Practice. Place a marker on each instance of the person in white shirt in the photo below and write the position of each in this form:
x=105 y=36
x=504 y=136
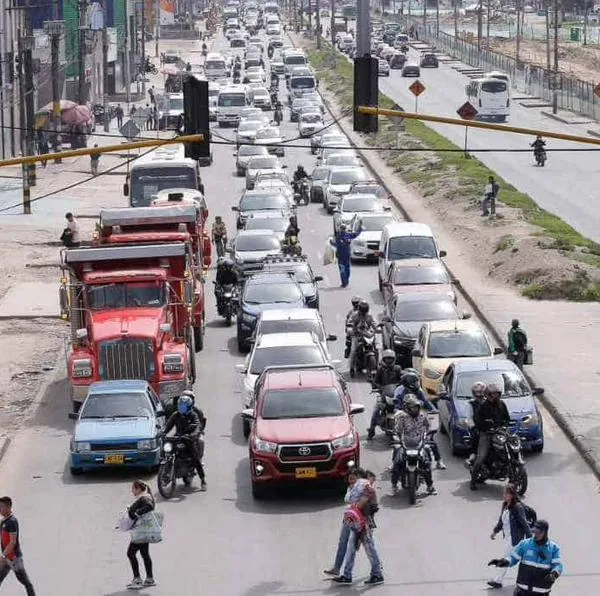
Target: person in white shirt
x=70 y=236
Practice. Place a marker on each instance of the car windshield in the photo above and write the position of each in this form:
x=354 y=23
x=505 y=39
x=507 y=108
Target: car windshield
x=275 y=224
x=303 y=403
x=249 y=125
x=347 y=176
x=285 y=355
x=319 y=174
x=268 y=133
x=416 y=276
x=458 y=344
x=249 y=112
x=126 y=295
x=375 y=224
x=303 y=83
x=311 y=118
x=265 y=293
x=260 y=202
x=250 y=242
x=370 y=189
x=116 y=405
x=246 y=150
x=260 y=92
x=356 y=204
x=411 y=247
x=343 y=160
x=295 y=60
x=425 y=310
x=292 y=326
x=263 y=163
x=512 y=382
x=231 y=100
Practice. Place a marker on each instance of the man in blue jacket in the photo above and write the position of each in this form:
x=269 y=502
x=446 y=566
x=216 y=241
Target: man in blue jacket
x=343 y=240
x=539 y=562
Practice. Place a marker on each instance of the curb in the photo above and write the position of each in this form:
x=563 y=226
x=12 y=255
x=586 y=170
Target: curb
x=573 y=120
x=561 y=418
x=4 y=445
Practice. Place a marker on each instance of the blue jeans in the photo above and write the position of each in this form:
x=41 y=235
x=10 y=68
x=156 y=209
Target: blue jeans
x=370 y=551
x=342 y=547
x=344 y=267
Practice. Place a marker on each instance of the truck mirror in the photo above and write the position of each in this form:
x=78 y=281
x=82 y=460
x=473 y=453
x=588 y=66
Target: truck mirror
x=81 y=334
x=64 y=303
x=126 y=189
x=189 y=293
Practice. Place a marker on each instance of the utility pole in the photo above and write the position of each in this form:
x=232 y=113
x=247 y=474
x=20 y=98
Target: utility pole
x=555 y=82
x=156 y=26
x=548 y=63
x=310 y=15
x=585 y=21
x=318 y=24
x=519 y=28
x=456 y=19
x=437 y=18
x=127 y=60
x=55 y=30
x=143 y=48
x=487 y=22
x=424 y=13
x=105 y=70
x=363 y=29
x=81 y=95
x=479 y=25
x=332 y=23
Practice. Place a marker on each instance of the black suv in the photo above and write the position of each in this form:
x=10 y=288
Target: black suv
x=300 y=268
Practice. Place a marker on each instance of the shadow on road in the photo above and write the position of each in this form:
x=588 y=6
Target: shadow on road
x=237 y=436
x=53 y=410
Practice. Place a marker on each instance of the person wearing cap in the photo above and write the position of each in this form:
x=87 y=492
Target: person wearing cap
x=343 y=239
x=539 y=562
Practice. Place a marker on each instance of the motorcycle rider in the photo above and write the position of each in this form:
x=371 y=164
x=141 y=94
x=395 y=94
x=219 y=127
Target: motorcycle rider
x=362 y=322
x=278 y=114
x=226 y=276
x=517 y=344
x=538 y=146
x=292 y=229
x=491 y=414
x=411 y=425
x=219 y=235
x=478 y=391
x=388 y=373
x=356 y=300
x=299 y=175
x=189 y=421
x=204 y=49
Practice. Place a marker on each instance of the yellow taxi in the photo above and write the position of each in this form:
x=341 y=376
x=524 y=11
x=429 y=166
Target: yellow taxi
x=440 y=343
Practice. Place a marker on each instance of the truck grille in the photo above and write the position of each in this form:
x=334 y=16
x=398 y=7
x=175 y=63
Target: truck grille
x=305 y=453
x=126 y=359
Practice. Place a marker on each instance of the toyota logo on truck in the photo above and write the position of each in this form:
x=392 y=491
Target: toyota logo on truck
x=304 y=451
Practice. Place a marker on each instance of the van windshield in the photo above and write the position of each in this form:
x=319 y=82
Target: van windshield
x=411 y=247
x=231 y=100
x=146 y=182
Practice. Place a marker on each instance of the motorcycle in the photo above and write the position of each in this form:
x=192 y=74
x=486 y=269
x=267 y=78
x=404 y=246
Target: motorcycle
x=236 y=77
x=540 y=156
x=176 y=462
x=278 y=115
x=365 y=357
x=225 y=302
x=301 y=192
x=150 y=67
x=415 y=459
x=504 y=460
x=291 y=246
x=386 y=411
x=98 y=112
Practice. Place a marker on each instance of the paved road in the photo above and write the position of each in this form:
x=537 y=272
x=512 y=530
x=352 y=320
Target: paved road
x=565 y=187
x=222 y=542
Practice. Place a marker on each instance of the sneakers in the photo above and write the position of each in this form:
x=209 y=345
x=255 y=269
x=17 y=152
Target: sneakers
x=203 y=486
x=149 y=581
x=135 y=584
x=494 y=584
x=341 y=579
x=370 y=434
x=440 y=465
x=374 y=580
x=331 y=571
x=431 y=490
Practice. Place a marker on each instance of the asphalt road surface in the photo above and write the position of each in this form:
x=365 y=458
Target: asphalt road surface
x=222 y=542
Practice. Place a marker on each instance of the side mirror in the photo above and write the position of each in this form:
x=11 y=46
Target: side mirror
x=318 y=278
x=416 y=353
x=64 y=302
x=164 y=327
x=332 y=240
x=161 y=414
x=443 y=253
x=241 y=368
x=81 y=334
x=126 y=189
x=283 y=166
x=466 y=315
x=498 y=351
x=356 y=409
x=386 y=319
x=248 y=414
x=235 y=153
x=387 y=208
x=331 y=337
x=380 y=254
x=456 y=282
x=235 y=208
x=538 y=391
x=336 y=210
x=73 y=416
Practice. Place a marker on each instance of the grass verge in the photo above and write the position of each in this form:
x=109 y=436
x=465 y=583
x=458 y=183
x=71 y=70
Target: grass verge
x=471 y=175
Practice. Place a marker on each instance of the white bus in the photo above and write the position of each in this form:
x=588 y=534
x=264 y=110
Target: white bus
x=230 y=103
x=163 y=168
x=215 y=66
x=490 y=97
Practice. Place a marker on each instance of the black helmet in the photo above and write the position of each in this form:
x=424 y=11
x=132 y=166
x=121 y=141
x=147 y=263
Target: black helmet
x=300 y=168
x=356 y=300
x=388 y=357
x=227 y=263
x=363 y=307
x=412 y=405
x=410 y=379
x=515 y=323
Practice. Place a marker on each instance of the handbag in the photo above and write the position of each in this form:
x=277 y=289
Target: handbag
x=125 y=523
x=147 y=528
x=328 y=254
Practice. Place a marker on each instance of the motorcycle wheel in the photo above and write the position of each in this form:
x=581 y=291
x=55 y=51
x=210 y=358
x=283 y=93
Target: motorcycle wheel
x=187 y=480
x=228 y=319
x=411 y=487
x=520 y=480
x=166 y=479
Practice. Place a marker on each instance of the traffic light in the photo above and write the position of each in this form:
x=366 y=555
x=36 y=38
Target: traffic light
x=366 y=92
x=195 y=121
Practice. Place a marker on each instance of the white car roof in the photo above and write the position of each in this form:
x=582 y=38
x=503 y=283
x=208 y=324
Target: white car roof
x=291 y=314
x=274 y=340
x=255 y=233
x=408 y=228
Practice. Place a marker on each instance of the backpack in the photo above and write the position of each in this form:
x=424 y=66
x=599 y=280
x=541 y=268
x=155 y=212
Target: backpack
x=520 y=339
x=530 y=514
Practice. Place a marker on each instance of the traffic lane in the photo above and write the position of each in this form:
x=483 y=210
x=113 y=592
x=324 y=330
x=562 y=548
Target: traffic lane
x=565 y=195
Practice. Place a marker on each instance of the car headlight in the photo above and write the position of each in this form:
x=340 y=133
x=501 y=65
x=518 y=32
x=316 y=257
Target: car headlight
x=146 y=444
x=464 y=422
x=344 y=442
x=82 y=446
x=82 y=367
x=530 y=420
x=359 y=243
x=173 y=363
x=248 y=318
x=264 y=446
x=431 y=373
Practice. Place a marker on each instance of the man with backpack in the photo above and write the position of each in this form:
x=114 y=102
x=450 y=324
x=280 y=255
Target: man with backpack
x=517 y=344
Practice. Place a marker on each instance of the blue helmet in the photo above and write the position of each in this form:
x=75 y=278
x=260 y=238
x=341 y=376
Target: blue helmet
x=185 y=404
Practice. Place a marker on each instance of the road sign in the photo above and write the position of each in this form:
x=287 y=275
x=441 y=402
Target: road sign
x=417 y=88
x=467 y=111
x=597 y=90
x=130 y=130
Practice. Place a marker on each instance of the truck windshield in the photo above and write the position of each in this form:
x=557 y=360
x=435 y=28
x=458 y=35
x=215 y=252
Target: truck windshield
x=126 y=295
x=146 y=182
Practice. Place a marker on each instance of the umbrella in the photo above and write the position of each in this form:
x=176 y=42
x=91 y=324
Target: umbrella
x=65 y=104
x=76 y=115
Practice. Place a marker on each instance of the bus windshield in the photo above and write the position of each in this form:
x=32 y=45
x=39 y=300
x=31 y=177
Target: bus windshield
x=146 y=182
x=493 y=86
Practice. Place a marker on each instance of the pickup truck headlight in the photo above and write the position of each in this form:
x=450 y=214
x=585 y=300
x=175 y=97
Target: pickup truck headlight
x=344 y=442
x=431 y=373
x=173 y=363
x=264 y=446
x=464 y=423
x=82 y=368
x=146 y=444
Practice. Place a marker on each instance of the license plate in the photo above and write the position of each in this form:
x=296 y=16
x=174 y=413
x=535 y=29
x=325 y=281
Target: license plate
x=114 y=459
x=306 y=472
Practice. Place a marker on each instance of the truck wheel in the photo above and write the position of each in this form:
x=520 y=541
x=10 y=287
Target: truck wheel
x=259 y=491
x=199 y=336
x=246 y=428
x=192 y=359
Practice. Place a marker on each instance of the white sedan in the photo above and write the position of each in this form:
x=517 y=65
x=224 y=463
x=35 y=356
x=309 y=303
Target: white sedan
x=365 y=247
x=272 y=137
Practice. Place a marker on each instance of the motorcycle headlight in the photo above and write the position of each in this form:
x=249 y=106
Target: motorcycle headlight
x=82 y=367
x=82 y=446
x=173 y=363
x=264 y=446
x=227 y=295
x=345 y=442
x=465 y=423
x=146 y=444
x=530 y=420
x=168 y=447
x=431 y=373
x=248 y=318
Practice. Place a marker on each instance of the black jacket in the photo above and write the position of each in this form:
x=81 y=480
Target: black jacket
x=387 y=375
x=292 y=230
x=143 y=504
x=227 y=277
x=519 y=528
x=191 y=424
x=490 y=416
